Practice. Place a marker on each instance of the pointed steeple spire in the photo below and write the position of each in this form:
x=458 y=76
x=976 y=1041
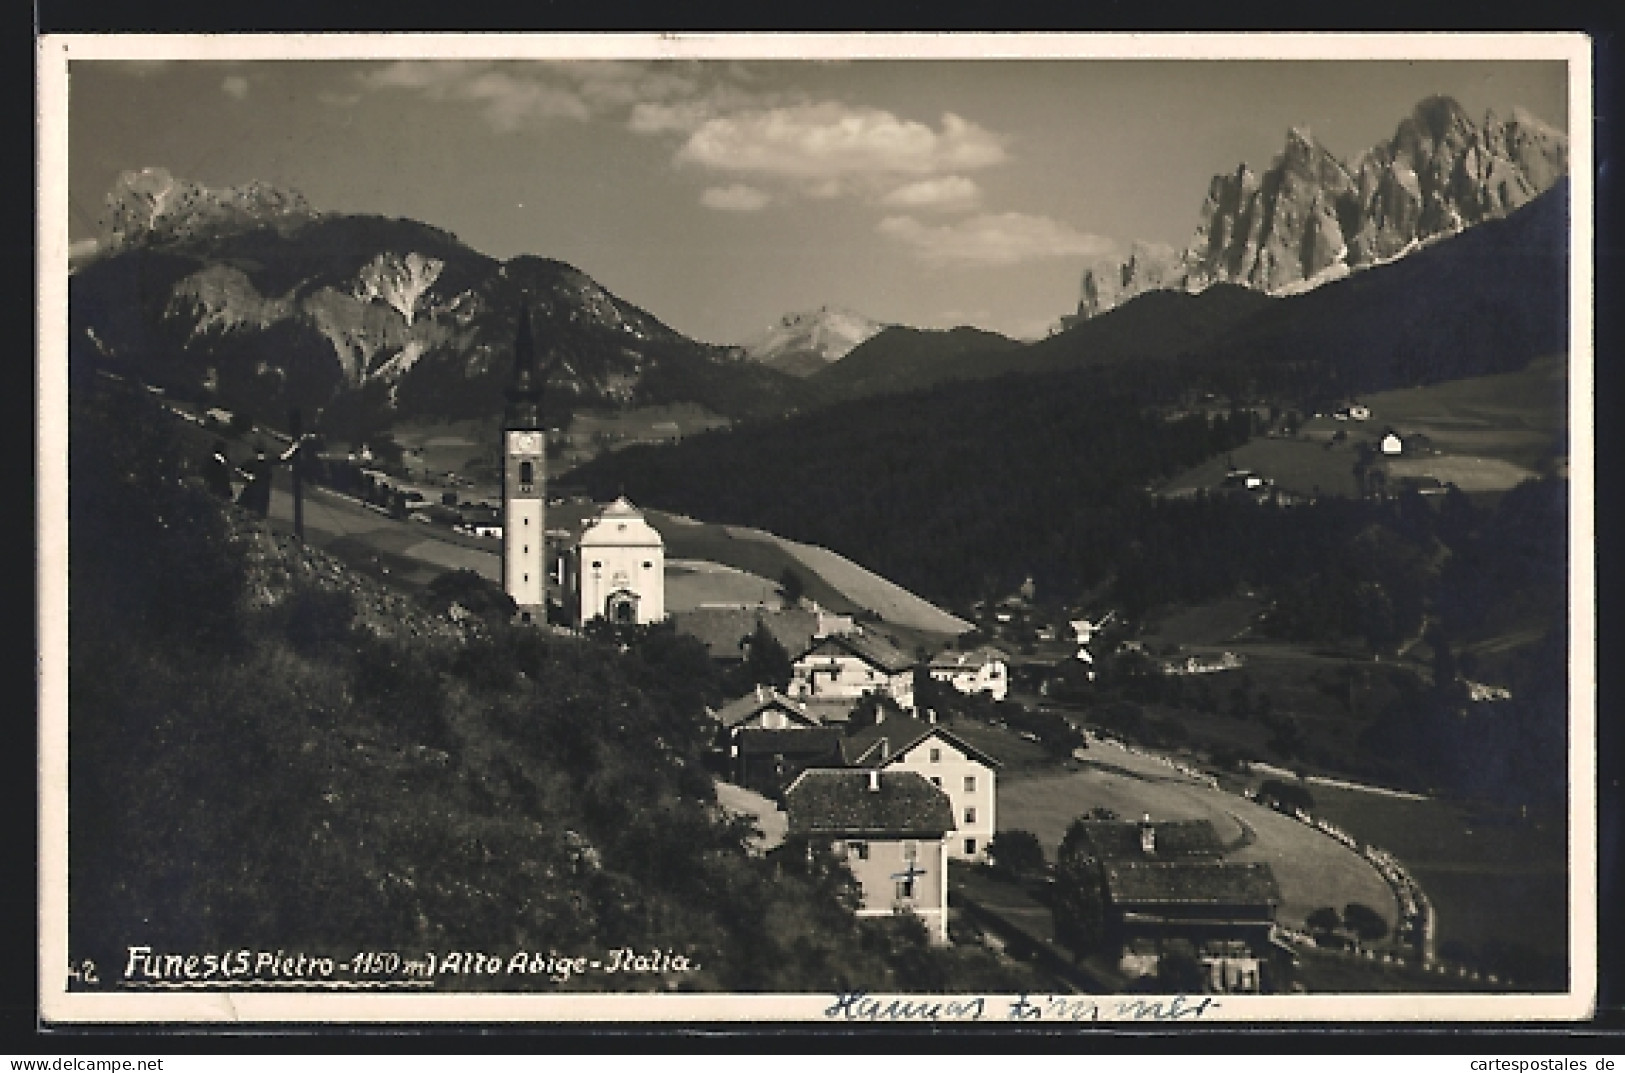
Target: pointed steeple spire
x=524 y=391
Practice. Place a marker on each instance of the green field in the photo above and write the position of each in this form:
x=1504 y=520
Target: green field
x=1300 y=466
x=1513 y=417
x=1490 y=878
x=1487 y=434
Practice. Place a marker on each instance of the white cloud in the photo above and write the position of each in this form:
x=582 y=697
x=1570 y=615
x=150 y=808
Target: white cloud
x=993 y=239
x=235 y=86
x=673 y=117
x=508 y=97
x=950 y=193
x=820 y=141
x=735 y=198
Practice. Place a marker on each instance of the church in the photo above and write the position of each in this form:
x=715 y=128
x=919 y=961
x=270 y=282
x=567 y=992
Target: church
x=616 y=570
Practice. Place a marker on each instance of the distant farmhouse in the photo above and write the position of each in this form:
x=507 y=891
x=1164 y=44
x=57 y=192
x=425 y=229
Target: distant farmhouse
x=892 y=828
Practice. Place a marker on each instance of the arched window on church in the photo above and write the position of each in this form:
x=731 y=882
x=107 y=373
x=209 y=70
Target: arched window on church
x=527 y=476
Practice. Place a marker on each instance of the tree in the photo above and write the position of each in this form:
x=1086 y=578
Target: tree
x=1364 y=921
x=1286 y=794
x=1016 y=854
x=1323 y=921
x=767 y=663
x=1078 y=905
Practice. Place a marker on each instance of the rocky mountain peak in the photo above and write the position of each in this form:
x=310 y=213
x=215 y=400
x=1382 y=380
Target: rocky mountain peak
x=152 y=206
x=1311 y=217
x=802 y=343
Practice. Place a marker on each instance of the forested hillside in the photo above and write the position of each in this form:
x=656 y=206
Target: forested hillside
x=267 y=750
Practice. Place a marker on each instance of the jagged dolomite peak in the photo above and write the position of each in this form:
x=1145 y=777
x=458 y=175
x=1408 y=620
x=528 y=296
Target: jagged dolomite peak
x=1311 y=217
x=151 y=204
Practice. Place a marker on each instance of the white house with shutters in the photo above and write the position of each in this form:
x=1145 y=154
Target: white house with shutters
x=966 y=774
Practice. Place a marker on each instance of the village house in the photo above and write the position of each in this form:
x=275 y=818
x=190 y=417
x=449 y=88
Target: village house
x=891 y=827
x=841 y=668
x=984 y=670
x=769 y=738
x=726 y=631
x=1165 y=889
x=965 y=773
x=768 y=759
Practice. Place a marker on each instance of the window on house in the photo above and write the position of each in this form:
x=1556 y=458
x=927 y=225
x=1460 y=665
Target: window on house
x=936 y=756
x=970 y=815
x=527 y=549
x=911 y=851
x=527 y=476
x=936 y=780
x=905 y=888
x=970 y=847
x=970 y=784
x=860 y=850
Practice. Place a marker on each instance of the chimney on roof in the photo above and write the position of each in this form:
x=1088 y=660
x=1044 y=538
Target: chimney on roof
x=761 y=692
x=874 y=780
x=1148 y=836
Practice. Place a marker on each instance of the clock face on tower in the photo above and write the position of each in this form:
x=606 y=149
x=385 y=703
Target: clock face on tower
x=526 y=441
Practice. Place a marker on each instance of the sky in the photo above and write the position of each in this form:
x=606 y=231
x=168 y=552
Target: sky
x=721 y=194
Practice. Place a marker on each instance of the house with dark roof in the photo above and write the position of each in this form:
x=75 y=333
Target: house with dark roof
x=1166 y=888
x=726 y=631
x=844 y=667
x=760 y=735
x=764 y=707
x=892 y=828
x=768 y=760
x=1121 y=840
x=962 y=771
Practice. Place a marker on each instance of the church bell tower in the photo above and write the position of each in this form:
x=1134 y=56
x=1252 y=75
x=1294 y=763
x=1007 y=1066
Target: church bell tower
x=524 y=441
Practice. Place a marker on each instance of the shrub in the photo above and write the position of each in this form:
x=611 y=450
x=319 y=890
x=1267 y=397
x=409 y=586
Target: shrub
x=1016 y=855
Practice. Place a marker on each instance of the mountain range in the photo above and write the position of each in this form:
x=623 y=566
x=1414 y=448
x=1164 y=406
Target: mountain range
x=1311 y=218
x=272 y=304
x=1454 y=258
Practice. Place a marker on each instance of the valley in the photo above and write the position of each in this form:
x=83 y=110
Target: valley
x=1217 y=641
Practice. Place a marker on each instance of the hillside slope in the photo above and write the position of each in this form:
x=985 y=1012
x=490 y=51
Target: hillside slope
x=268 y=752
